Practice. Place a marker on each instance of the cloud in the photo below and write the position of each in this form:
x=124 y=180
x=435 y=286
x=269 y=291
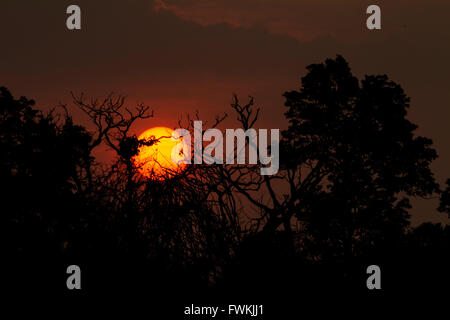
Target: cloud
x=298 y=19
x=303 y=20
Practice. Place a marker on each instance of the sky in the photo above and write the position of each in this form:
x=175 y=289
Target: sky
x=179 y=56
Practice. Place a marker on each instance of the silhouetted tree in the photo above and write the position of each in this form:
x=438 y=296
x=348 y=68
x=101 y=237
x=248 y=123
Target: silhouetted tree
x=355 y=159
x=59 y=204
x=41 y=162
x=350 y=163
x=171 y=222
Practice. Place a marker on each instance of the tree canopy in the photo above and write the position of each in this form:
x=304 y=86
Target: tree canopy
x=358 y=155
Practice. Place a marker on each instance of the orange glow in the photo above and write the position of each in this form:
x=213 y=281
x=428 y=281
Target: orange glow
x=155 y=161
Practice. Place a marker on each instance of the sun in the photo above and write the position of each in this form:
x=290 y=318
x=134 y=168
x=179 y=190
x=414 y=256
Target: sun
x=155 y=161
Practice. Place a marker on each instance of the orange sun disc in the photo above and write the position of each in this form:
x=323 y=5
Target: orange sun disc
x=155 y=161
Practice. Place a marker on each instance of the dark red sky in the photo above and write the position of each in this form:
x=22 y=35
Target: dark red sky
x=180 y=55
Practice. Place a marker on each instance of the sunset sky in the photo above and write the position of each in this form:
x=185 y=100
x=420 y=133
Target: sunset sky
x=179 y=56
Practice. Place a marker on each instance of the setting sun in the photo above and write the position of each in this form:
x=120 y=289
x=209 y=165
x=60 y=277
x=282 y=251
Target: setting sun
x=155 y=160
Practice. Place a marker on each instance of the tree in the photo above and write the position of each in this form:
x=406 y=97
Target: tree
x=40 y=165
x=353 y=159
x=59 y=204
x=174 y=222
